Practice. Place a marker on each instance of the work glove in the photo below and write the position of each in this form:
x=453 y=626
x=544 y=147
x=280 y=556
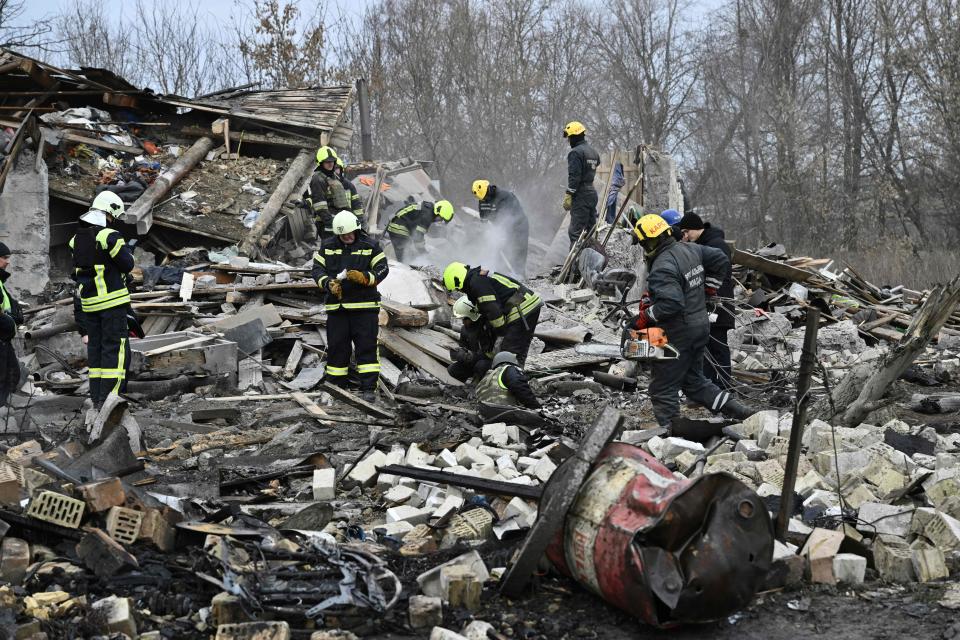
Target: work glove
x=645 y=301
x=357 y=277
x=710 y=291
x=459 y=354
x=567 y=201
x=335 y=288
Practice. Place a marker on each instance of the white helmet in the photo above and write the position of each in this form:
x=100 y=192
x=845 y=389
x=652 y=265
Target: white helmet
x=463 y=308
x=504 y=357
x=108 y=202
x=345 y=222
x=95 y=217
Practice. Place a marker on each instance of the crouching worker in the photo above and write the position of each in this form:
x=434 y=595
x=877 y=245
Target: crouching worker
x=504 y=391
x=473 y=357
x=681 y=275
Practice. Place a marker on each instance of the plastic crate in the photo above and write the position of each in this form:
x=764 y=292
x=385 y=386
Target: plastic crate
x=56 y=508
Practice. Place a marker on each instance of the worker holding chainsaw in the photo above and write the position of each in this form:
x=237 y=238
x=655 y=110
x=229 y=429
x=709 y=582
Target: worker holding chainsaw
x=511 y=308
x=682 y=274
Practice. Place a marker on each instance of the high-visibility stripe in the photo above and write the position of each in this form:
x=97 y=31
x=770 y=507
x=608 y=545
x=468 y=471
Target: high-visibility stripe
x=322 y=281
x=319 y=258
x=397 y=229
x=368 y=368
x=5 y=304
x=362 y=252
x=99 y=282
x=361 y=305
x=337 y=371
x=500 y=378
x=483 y=299
x=371 y=279
x=332 y=306
x=421 y=229
x=377 y=258
x=116 y=248
x=94 y=372
x=333 y=252
x=505 y=281
x=497 y=322
x=99 y=303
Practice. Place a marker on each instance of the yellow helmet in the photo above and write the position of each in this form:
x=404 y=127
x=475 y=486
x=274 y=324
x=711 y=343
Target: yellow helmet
x=454 y=276
x=480 y=188
x=650 y=226
x=573 y=128
x=463 y=308
x=339 y=162
x=325 y=153
x=443 y=210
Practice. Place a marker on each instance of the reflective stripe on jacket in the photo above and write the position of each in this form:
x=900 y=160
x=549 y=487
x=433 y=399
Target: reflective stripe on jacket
x=501 y=300
x=364 y=255
x=412 y=221
x=101 y=260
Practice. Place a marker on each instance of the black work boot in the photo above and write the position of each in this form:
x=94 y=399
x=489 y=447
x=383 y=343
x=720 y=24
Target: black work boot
x=733 y=408
x=369 y=396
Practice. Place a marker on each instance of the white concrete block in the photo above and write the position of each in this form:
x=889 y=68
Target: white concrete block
x=401 y=495
x=505 y=462
x=885 y=518
x=524 y=512
x=525 y=462
x=497 y=452
x=450 y=503
x=395 y=529
x=494 y=429
x=408 y=514
x=417 y=457
x=673 y=446
x=446 y=459
x=468 y=455
x=544 y=469
x=849 y=568
x=324 y=484
x=365 y=473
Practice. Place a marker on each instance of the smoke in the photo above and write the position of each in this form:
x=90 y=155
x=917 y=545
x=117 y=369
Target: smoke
x=473 y=242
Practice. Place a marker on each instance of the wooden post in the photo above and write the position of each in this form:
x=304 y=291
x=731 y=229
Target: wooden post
x=808 y=359
x=861 y=390
x=301 y=166
x=140 y=212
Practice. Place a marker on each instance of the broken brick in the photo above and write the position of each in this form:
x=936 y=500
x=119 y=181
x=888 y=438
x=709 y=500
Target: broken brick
x=14 y=559
x=101 y=495
x=103 y=555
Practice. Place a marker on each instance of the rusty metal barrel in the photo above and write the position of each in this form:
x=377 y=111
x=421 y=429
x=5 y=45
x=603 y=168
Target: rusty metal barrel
x=667 y=550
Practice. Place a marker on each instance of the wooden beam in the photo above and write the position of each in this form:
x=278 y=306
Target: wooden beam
x=301 y=166
x=403 y=315
x=315 y=412
x=417 y=358
x=366 y=407
x=770 y=267
x=140 y=212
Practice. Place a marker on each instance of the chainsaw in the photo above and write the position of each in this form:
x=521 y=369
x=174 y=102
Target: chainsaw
x=643 y=345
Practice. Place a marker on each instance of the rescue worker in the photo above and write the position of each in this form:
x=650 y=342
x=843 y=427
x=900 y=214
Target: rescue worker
x=473 y=357
x=352 y=194
x=679 y=274
x=505 y=386
x=348 y=267
x=580 y=198
x=503 y=210
x=327 y=195
x=511 y=308
x=717 y=367
x=10 y=317
x=408 y=227
x=101 y=262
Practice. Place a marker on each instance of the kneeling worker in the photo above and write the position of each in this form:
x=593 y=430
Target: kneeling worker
x=680 y=272
x=353 y=302
x=408 y=227
x=511 y=308
x=473 y=357
x=505 y=386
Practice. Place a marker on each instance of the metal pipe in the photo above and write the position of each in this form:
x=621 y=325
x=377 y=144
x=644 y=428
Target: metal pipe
x=50 y=330
x=366 y=137
x=807 y=362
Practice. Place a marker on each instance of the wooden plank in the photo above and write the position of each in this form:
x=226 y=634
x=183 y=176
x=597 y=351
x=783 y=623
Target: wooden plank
x=561 y=359
x=96 y=142
x=424 y=342
x=311 y=407
x=417 y=358
x=293 y=360
x=183 y=344
x=402 y=315
x=389 y=372
x=423 y=402
x=346 y=396
x=771 y=267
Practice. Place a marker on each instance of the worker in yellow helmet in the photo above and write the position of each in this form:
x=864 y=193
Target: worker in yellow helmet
x=682 y=274
x=101 y=262
x=327 y=195
x=408 y=227
x=511 y=308
x=502 y=209
x=580 y=198
x=356 y=204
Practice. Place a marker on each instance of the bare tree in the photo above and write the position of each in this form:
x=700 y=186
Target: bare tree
x=14 y=35
x=91 y=39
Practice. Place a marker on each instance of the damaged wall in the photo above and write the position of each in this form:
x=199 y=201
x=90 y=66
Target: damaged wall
x=24 y=224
